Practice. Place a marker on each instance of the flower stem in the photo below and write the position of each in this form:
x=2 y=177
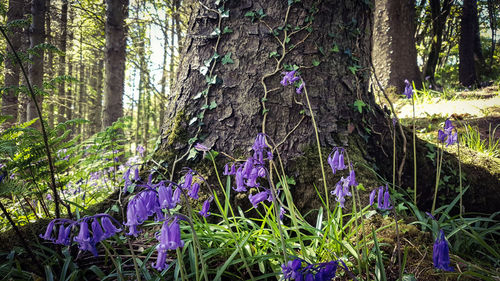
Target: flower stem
x=319 y=152
x=414 y=156
x=438 y=174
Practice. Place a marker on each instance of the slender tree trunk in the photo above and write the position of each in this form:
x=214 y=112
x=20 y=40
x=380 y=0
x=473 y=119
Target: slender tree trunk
x=62 y=61
x=439 y=17
x=96 y=99
x=23 y=98
x=50 y=65
x=116 y=13
x=394 y=53
x=37 y=35
x=12 y=69
x=468 y=75
x=492 y=14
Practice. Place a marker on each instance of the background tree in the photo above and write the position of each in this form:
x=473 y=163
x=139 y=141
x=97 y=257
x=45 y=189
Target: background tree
x=12 y=69
x=439 y=16
x=116 y=13
x=37 y=37
x=394 y=54
x=469 y=45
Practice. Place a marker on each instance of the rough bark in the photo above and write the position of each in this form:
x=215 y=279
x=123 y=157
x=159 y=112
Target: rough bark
x=467 y=69
x=116 y=13
x=62 y=60
x=439 y=16
x=394 y=53
x=12 y=69
x=37 y=36
x=96 y=98
x=49 y=63
x=234 y=123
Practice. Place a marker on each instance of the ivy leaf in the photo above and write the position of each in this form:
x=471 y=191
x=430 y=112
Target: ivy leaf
x=335 y=48
x=203 y=70
x=227 y=30
x=250 y=14
x=309 y=29
x=227 y=59
x=225 y=14
x=216 y=32
x=359 y=104
x=212 y=105
x=211 y=80
x=191 y=122
x=287 y=40
x=315 y=62
x=273 y=54
x=197 y=96
x=192 y=140
x=192 y=153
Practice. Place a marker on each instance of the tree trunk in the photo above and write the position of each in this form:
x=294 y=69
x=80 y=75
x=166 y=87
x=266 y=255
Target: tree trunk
x=467 y=68
x=116 y=13
x=96 y=98
x=439 y=17
x=49 y=64
x=394 y=53
x=245 y=97
x=37 y=34
x=12 y=69
x=62 y=61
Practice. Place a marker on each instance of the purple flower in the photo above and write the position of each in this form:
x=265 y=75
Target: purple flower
x=300 y=88
x=292 y=270
x=165 y=197
x=85 y=242
x=352 y=178
x=430 y=216
x=193 y=192
x=383 y=199
x=282 y=213
x=326 y=271
x=132 y=221
x=201 y=147
x=440 y=253
x=289 y=78
x=336 y=159
x=206 y=207
x=170 y=235
x=48 y=231
x=341 y=191
x=240 y=187
x=141 y=150
x=109 y=228
x=136 y=174
x=441 y=135
x=452 y=139
x=372 y=196
x=188 y=179
x=408 y=90
x=63 y=235
x=259 y=197
x=98 y=234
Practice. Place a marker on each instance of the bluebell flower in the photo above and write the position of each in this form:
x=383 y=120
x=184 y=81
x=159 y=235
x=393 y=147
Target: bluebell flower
x=132 y=221
x=63 y=235
x=136 y=175
x=336 y=159
x=383 y=199
x=300 y=88
x=206 y=207
x=240 y=186
x=188 y=179
x=97 y=233
x=291 y=270
x=452 y=139
x=282 y=213
x=289 y=78
x=85 y=242
x=408 y=90
x=201 y=147
x=259 y=197
x=441 y=136
x=341 y=190
x=193 y=192
x=109 y=227
x=440 y=253
x=141 y=150
x=326 y=271
x=48 y=231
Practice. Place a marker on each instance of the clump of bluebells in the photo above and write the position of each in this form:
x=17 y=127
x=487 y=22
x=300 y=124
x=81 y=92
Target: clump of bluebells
x=449 y=134
x=325 y=271
x=59 y=231
x=160 y=200
x=247 y=175
x=383 y=198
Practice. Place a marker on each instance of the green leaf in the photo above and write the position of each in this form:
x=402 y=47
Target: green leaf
x=203 y=70
x=192 y=153
x=216 y=32
x=192 y=140
x=250 y=14
x=359 y=104
x=315 y=62
x=273 y=54
x=335 y=48
x=212 y=105
x=287 y=40
x=227 y=30
x=353 y=69
x=197 y=96
x=227 y=59
x=225 y=14
x=211 y=80
x=191 y=122
x=309 y=29
x=361 y=187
